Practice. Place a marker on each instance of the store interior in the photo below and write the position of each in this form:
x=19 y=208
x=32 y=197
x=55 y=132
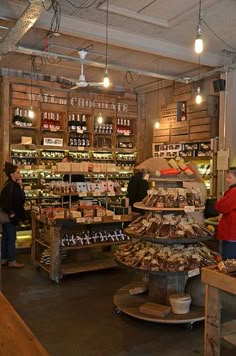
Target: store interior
x=116 y=85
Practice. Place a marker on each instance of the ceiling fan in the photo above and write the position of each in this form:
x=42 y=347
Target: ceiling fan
x=82 y=82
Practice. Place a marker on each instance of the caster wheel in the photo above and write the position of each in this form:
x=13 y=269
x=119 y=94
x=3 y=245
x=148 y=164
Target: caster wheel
x=118 y=311
x=189 y=326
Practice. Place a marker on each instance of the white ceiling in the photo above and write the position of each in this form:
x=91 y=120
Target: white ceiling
x=150 y=38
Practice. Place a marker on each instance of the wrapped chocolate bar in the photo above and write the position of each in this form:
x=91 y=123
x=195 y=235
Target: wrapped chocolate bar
x=182 y=199
x=171 y=200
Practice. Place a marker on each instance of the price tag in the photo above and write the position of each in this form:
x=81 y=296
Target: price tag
x=82 y=194
x=80 y=220
x=146 y=176
x=97 y=170
x=80 y=131
x=97 y=218
x=97 y=194
x=116 y=217
x=189 y=209
x=80 y=148
x=41 y=166
x=111 y=194
x=194 y=272
x=53 y=129
x=27 y=166
x=27 y=187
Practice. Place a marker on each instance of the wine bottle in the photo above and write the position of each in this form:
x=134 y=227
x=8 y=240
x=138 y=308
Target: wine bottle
x=84 y=123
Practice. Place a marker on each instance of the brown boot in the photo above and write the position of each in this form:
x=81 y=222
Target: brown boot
x=15 y=264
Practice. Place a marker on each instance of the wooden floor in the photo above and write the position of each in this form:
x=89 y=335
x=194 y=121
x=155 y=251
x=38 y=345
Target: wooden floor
x=15 y=336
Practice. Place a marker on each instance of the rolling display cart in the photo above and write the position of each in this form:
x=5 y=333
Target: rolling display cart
x=161 y=284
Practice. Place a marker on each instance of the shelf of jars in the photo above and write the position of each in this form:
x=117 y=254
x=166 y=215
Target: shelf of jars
x=168 y=245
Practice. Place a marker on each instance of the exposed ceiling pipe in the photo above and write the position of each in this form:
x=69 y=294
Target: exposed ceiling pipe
x=23 y=24
x=35 y=52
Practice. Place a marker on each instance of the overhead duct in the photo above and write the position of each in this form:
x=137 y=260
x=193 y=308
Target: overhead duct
x=23 y=24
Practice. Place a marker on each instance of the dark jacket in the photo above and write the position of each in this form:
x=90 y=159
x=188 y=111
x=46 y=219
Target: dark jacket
x=137 y=189
x=226 y=229
x=12 y=199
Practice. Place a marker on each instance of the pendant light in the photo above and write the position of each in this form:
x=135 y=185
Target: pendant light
x=31 y=113
x=198 y=97
x=100 y=118
x=157 y=121
x=106 y=80
x=198 y=45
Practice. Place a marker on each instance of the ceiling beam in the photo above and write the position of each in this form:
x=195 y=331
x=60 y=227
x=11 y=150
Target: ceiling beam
x=22 y=25
x=96 y=32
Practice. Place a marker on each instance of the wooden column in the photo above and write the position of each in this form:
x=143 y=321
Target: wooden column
x=5 y=125
x=212 y=322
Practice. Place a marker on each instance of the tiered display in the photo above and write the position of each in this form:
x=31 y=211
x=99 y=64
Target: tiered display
x=170 y=249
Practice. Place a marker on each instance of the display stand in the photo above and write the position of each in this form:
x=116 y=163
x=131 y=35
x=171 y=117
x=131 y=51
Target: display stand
x=160 y=284
x=81 y=258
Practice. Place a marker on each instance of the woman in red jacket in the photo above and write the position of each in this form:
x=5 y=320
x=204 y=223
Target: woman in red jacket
x=226 y=230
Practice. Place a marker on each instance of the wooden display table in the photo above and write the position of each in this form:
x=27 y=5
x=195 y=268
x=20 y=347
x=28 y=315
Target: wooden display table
x=215 y=282
x=47 y=235
x=15 y=336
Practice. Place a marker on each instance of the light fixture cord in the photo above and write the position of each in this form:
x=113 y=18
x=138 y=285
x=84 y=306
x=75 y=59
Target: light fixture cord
x=31 y=83
x=200 y=13
x=107 y=34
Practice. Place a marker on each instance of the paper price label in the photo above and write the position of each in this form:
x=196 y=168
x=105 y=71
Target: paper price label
x=27 y=166
x=80 y=148
x=41 y=166
x=194 y=272
x=80 y=220
x=116 y=217
x=111 y=194
x=146 y=176
x=83 y=194
x=97 y=218
x=189 y=209
x=96 y=194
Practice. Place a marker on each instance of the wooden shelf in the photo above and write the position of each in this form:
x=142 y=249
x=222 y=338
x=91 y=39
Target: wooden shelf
x=143 y=207
x=42 y=243
x=93 y=245
x=86 y=266
x=129 y=304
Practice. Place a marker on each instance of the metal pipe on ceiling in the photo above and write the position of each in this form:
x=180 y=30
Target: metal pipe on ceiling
x=35 y=52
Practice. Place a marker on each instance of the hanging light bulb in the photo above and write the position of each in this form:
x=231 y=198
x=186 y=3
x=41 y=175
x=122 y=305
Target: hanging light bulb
x=198 y=98
x=157 y=124
x=106 y=80
x=100 y=118
x=198 y=45
x=31 y=113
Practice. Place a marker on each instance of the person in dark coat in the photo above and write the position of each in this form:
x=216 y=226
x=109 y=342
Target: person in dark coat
x=226 y=230
x=12 y=200
x=137 y=189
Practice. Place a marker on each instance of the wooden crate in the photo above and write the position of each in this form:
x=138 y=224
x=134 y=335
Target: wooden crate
x=213 y=277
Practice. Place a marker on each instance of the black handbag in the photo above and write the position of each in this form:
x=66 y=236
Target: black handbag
x=4 y=217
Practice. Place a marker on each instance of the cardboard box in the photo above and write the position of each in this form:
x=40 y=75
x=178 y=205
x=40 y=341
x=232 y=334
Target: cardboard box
x=64 y=167
x=75 y=167
x=26 y=140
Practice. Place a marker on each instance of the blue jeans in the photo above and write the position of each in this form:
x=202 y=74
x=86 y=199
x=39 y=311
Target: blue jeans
x=228 y=249
x=8 y=242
